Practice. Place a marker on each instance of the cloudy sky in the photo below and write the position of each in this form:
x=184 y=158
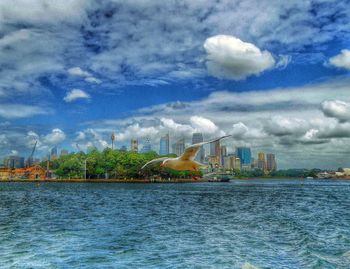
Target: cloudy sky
x=274 y=74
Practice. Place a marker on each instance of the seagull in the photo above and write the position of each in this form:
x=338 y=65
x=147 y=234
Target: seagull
x=185 y=162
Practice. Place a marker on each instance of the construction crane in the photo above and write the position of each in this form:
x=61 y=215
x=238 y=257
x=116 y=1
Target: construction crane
x=30 y=158
x=76 y=144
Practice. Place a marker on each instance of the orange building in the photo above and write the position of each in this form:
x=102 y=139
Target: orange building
x=34 y=172
x=5 y=173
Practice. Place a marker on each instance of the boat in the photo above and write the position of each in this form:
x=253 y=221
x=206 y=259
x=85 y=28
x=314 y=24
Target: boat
x=219 y=179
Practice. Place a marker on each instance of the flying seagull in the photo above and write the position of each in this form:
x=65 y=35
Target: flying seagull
x=185 y=162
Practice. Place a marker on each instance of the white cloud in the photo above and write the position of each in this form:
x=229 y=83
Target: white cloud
x=93 y=80
x=341 y=60
x=55 y=137
x=77 y=71
x=336 y=109
x=76 y=94
x=203 y=125
x=13 y=111
x=230 y=58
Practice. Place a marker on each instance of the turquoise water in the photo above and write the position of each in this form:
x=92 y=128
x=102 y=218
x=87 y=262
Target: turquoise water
x=241 y=224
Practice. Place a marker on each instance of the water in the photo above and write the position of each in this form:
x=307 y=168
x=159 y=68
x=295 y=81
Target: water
x=241 y=224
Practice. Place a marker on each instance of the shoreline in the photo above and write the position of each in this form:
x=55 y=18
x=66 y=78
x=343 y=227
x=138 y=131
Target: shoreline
x=139 y=181
x=145 y=181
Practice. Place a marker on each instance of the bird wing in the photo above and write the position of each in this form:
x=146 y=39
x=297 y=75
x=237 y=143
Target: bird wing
x=155 y=161
x=191 y=151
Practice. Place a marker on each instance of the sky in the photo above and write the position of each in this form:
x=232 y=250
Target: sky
x=273 y=74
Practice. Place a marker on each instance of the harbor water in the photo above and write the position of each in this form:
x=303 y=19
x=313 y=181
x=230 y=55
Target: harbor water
x=240 y=224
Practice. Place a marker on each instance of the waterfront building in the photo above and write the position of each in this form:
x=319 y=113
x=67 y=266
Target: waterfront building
x=14 y=162
x=134 y=145
x=232 y=162
x=147 y=145
x=198 y=138
x=245 y=155
x=179 y=147
x=213 y=161
x=261 y=161
x=164 y=145
x=271 y=164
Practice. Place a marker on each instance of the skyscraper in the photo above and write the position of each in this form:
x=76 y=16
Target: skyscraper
x=198 y=138
x=215 y=148
x=245 y=155
x=147 y=145
x=223 y=154
x=271 y=164
x=261 y=161
x=53 y=153
x=14 y=162
x=134 y=145
x=179 y=147
x=164 y=145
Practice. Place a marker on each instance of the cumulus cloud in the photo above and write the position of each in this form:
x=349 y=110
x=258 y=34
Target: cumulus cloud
x=230 y=58
x=77 y=71
x=336 y=109
x=55 y=137
x=76 y=94
x=203 y=125
x=342 y=60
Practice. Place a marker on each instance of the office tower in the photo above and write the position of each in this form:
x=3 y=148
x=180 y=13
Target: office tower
x=134 y=145
x=261 y=161
x=64 y=152
x=198 y=138
x=245 y=155
x=179 y=147
x=147 y=145
x=271 y=164
x=53 y=153
x=215 y=148
x=164 y=145
x=223 y=153
x=232 y=162
x=14 y=162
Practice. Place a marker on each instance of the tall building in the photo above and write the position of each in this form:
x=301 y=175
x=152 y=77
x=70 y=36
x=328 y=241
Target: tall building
x=147 y=145
x=232 y=162
x=261 y=161
x=271 y=164
x=245 y=155
x=134 y=145
x=179 y=147
x=14 y=162
x=53 y=153
x=215 y=148
x=198 y=138
x=164 y=145
x=223 y=154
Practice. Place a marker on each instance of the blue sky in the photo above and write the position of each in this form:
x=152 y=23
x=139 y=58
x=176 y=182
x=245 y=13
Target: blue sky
x=273 y=74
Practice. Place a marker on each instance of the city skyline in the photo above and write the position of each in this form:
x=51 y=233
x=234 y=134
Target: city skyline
x=77 y=71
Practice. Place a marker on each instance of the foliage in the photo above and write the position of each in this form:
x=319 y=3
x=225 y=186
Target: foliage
x=100 y=164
